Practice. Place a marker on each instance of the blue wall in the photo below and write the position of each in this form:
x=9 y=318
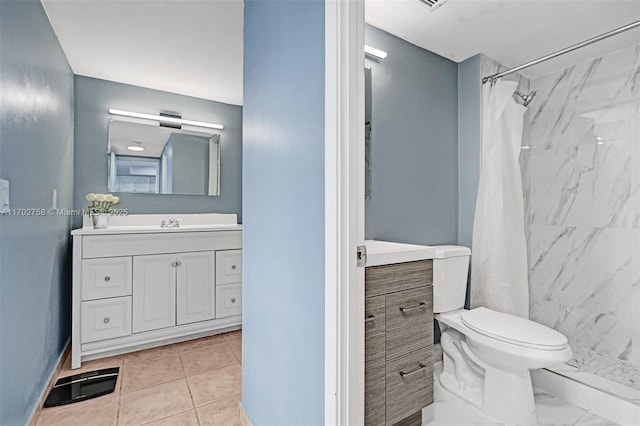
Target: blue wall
x=283 y=208
x=36 y=155
x=469 y=135
x=93 y=98
x=414 y=144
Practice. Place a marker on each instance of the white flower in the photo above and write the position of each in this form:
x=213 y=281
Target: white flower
x=109 y=198
x=100 y=197
x=91 y=196
x=116 y=199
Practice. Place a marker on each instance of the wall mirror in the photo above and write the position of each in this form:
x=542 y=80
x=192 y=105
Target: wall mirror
x=152 y=159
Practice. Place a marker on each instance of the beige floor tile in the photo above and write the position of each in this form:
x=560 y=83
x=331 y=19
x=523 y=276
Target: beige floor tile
x=233 y=335
x=154 y=403
x=215 y=385
x=98 y=364
x=208 y=358
x=188 y=418
x=203 y=342
x=96 y=412
x=150 y=354
x=149 y=373
x=225 y=412
x=236 y=348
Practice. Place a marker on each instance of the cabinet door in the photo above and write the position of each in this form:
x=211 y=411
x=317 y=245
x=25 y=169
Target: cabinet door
x=154 y=292
x=196 y=287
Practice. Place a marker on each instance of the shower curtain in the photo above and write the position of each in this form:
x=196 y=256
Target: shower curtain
x=499 y=252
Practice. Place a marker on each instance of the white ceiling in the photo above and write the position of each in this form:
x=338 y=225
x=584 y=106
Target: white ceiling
x=510 y=31
x=189 y=47
x=195 y=47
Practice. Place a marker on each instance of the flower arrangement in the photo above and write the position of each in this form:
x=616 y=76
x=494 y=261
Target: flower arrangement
x=102 y=203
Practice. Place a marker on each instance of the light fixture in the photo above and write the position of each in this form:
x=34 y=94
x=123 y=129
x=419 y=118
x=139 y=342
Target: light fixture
x=137 y=147
x=368 y=50
x=165 y=119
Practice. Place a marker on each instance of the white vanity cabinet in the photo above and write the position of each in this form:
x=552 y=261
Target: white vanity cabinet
x=135 y=288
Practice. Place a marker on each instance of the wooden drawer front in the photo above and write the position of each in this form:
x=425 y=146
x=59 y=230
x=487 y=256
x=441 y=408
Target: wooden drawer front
x=228 y=300
x=161 y=242
x=409 y=393
x=105 y=319
x=411 y=329
x=228 y=266
x=108 y=277
x=374 y=325
x=374 y=369
x=397 y=277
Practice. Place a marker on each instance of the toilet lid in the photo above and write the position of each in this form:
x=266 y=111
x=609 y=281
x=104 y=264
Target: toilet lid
x=511 y=329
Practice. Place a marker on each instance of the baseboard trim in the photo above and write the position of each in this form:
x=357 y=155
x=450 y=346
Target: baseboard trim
x=37 y=408
x=598 y=402
x=244 y=417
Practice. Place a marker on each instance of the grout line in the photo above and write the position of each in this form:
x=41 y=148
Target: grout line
x=170 y=415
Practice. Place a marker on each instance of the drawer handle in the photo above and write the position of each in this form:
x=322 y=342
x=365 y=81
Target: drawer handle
x=233 y=267
x=107 y=278
x=412 y=372
x=418 y=306
x=370 y=318
x=106 y=320
x=233 y=300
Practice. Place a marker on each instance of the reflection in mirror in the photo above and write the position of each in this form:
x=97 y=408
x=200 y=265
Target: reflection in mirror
x=148 y=158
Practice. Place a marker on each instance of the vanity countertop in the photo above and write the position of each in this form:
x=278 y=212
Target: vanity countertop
x=153 y=229
x=386 y=252
x=151 y=224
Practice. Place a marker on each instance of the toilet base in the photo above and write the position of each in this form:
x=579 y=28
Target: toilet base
x=505 y=394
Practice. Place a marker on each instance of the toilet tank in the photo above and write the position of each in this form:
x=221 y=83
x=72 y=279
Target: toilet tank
x=450 y=271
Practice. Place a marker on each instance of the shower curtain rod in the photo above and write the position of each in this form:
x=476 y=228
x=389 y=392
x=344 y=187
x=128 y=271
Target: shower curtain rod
x=496 y=76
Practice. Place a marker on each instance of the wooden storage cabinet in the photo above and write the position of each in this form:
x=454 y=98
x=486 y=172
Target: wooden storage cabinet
x=398 y=342
x=132 y=291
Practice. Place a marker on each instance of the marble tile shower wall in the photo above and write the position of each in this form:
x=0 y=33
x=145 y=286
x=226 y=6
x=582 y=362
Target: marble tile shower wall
x=581 y=178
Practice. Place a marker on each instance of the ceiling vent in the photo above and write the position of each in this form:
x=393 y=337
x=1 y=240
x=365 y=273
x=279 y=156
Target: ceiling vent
x=433 y=4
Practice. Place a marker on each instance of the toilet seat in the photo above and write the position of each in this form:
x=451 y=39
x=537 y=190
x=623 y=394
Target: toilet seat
x=514 y=330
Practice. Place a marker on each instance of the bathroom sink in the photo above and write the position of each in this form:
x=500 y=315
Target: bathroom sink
x=137 y=223
x=386 y=252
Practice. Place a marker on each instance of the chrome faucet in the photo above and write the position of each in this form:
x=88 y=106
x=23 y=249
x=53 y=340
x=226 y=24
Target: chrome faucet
x=173 y=223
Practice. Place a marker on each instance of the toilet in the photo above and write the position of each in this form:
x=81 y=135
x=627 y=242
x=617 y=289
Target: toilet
x=488 y=355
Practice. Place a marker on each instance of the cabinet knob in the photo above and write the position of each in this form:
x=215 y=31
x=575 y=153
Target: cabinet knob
x=106 y=320
x=233 y=267
x=233 y=300
x=107 y=278
x=179 y=263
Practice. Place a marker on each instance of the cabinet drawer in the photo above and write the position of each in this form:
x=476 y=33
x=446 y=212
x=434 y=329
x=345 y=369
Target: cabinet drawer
x=385 y=279
x=107 y=277
x=228 y=266
x=374 y=369
x=228 y=300
x=409 y=321
x=409 y=384
x=105 y=319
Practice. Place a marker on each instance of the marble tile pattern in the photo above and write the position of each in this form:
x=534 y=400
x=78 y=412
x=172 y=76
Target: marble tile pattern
x=581 y=178
x=185 y=384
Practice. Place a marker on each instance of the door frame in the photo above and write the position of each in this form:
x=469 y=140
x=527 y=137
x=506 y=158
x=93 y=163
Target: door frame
x=344 y=212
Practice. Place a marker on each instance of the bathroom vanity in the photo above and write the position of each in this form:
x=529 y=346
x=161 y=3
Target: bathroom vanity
x=398 y=333
x=137 y=284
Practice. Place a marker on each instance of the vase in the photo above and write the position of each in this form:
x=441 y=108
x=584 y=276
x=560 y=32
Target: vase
x=100 y=220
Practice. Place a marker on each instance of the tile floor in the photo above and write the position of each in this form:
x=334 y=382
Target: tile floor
x=199 y=383
x=191 y=383
x=449 y=410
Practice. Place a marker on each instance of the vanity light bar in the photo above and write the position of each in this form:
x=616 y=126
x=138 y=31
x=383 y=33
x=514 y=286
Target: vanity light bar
x=165 y=119
x=368 y=50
